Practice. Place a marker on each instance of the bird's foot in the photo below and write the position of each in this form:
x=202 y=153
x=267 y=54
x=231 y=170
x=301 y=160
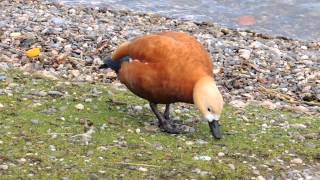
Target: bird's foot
x=175 y=128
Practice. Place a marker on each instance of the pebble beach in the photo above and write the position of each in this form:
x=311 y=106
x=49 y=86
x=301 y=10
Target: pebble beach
x=74 y=41
x=250 y=68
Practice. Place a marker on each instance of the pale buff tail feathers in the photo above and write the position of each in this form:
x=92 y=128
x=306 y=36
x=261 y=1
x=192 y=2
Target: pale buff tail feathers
x=121 y=51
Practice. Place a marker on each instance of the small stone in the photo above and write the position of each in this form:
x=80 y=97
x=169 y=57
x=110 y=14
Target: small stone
x=93 y=176
x=138 y=108
x=304 y=57
x=296 y=161
x=204 y=173
x=268 y=104
x=88 y=100
x=55 y=93
x=68 y=48
x=75 y=73
x=189 y=143
x=201 y=142
x=4 y=167
x=72 y=11
x=138 y=131
x=89 y=78
x=22 y=160
x=221 y=154
x=244 y=53
x=260 y=178
x=3 y=78
x=298 y=126
x=202 y=158
x=142 y=169
x=111 y=75
x=45 y=75
x=232 y=167
x=15 y=34
x=79 y=106
x=57 y=21
x=238 y=104
x=158 y=146
x=1 y=105
x=146 y=106
x=304 y=47
x=256 y=45
x=264 y=126
x=52 y=148
x=256 y=172
x=35 y=122
x=301 y=109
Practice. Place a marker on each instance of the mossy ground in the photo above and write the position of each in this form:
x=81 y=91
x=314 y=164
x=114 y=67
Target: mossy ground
x=117 y=151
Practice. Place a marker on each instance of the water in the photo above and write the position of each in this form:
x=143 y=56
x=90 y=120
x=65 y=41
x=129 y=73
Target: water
x=298 y=19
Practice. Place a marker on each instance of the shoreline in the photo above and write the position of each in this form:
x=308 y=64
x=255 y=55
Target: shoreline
x=276 y=72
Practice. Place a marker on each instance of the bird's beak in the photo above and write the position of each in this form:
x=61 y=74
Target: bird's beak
x=213 y=121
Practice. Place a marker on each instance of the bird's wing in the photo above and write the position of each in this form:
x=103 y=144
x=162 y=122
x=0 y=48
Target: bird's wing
x=165 y=47
x=149 y=48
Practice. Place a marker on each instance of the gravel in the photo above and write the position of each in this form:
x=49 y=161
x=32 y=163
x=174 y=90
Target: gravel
x=74 y=41
x=249 y=67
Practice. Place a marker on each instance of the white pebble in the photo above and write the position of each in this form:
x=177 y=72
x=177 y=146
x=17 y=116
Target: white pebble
x=79 y=106
x=304 y=47
x=4 y=167
x=189 y=143
x=143 y=169
x=52 y=148
x=202 y=158
x=264 y=126
x=146 y=106
x=220 y=154
x=304 y=57
x=298 y=126
x=244 y=53
x=260 y=178
x=138 y=130
x=231 y=166
x=22 y=160
x=15 y=34
x=138 y=108
x=1 y=105
x=296 y=161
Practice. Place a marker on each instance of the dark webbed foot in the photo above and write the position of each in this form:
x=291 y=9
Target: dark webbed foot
x=174 y=128
x=166 y=124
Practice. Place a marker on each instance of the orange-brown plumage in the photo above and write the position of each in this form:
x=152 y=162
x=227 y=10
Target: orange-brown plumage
x=166 y=68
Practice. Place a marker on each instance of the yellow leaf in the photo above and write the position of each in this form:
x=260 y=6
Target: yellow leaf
x=34 y=52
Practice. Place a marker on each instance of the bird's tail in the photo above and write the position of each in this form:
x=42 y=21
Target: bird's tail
x=121 y=51
x=118 y=57
x=114 y=65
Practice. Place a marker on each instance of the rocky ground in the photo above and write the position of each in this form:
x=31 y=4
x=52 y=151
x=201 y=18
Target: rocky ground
x=72 y=130
x=277 y=73
x=75 y=40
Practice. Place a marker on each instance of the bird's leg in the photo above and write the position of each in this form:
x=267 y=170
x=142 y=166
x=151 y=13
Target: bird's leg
x=154 y=109
x=164 y=124
x=167 y=112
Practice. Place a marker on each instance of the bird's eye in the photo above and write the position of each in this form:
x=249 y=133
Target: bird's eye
x=209 y=109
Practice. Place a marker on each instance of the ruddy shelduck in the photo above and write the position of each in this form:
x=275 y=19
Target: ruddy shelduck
x=169 y=67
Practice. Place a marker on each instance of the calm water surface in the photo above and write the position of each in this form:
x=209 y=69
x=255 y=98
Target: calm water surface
x=299 y=19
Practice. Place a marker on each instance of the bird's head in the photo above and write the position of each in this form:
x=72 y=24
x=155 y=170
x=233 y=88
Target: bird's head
x=208 y=99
